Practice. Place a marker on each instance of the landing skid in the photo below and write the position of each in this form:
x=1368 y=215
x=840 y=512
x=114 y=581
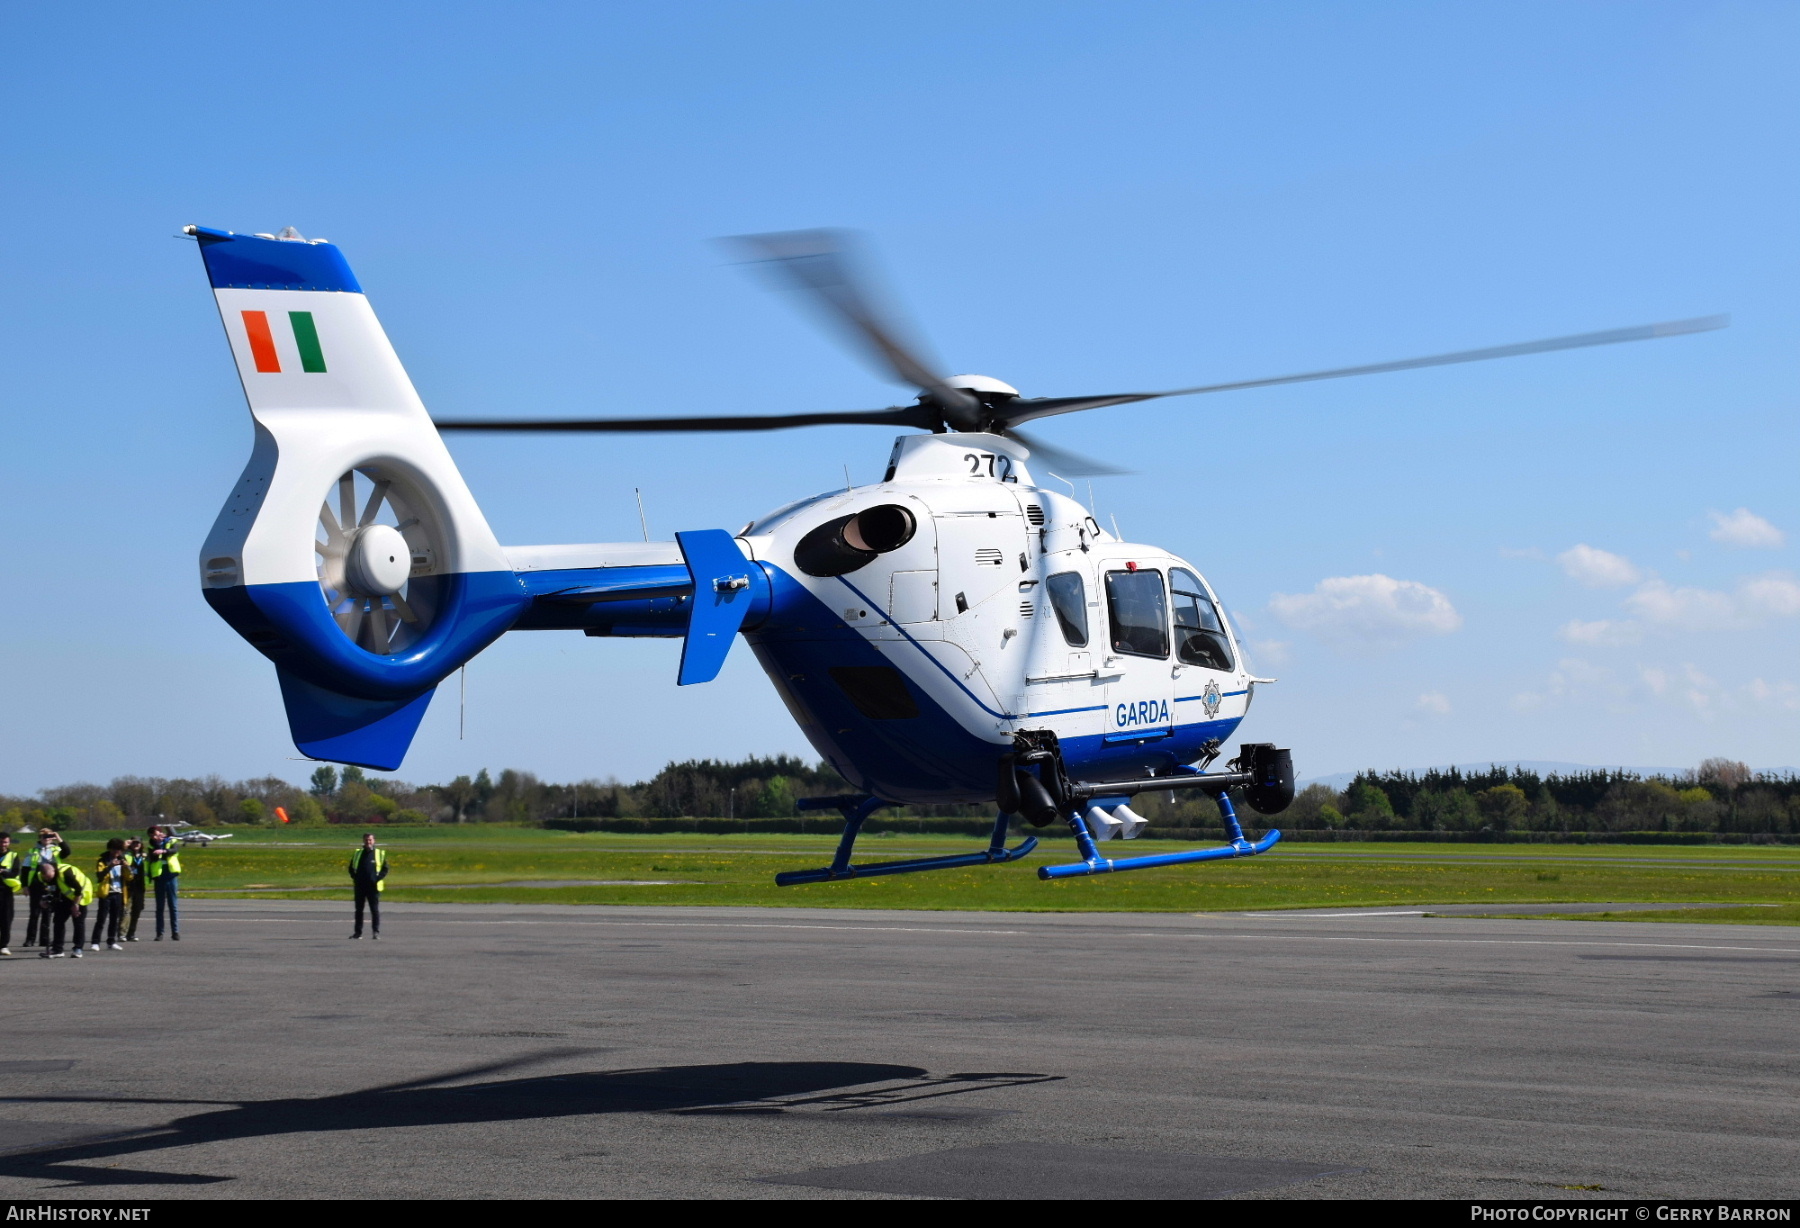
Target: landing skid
x=856 y=810
x=1092 y=863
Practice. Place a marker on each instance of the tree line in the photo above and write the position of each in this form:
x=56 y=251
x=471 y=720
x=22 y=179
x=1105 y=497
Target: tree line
x=1720 y=796
x=756 y=787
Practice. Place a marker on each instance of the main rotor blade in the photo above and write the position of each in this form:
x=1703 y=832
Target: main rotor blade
x=1044 y=407
x=823 y=264
x=1061 y=461
x=903 y=415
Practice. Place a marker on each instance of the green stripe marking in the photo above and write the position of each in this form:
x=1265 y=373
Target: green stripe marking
x=306 y=336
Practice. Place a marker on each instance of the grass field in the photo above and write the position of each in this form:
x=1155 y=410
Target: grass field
x=485 y=864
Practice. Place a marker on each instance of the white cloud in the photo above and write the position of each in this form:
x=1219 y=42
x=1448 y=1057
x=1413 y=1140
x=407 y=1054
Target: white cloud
x=1745 y=530
x=1606 y=632
x=1773 y=694
x=1703 y=694
x=1272 y=653
x=1687 y=685
x=1686 y=609
x=1773 y=595
x=1575 y=683
x=1598 y=568
x=1368 y=611
x=1435 y=702
x=1573 y=680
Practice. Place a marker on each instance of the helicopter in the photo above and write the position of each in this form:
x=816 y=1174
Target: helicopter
x=955 y=633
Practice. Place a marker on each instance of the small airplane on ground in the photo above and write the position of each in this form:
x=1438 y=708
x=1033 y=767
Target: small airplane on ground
x=955 y=633
x=187 y=833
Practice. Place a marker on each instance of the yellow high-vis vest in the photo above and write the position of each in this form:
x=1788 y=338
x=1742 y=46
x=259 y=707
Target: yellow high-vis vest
x=74 y=885
x=380 y=865
x=156 y=867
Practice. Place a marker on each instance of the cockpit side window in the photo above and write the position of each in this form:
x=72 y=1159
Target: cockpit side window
x=1068 y=597
x=1140 y=613
x=1200 y=637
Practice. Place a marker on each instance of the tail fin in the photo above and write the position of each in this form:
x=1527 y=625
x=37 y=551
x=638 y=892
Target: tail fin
x=351 y=552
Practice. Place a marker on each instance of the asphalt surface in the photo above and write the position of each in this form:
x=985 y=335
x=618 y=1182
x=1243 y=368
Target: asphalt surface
x=485 y=1051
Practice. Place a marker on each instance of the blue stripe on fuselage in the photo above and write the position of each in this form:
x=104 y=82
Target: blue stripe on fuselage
x=930 y=758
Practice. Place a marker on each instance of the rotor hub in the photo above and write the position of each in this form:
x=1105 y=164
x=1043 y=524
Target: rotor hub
x=378 y=561
x=983 y=386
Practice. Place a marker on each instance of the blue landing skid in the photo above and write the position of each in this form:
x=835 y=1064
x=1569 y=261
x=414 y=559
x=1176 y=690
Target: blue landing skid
x=856 y=811
x=1093 y=863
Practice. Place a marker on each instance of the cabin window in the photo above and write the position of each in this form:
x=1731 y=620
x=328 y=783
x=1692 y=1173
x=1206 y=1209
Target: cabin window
x=1068 y=597
x=1200 y=637
x=1140 y=613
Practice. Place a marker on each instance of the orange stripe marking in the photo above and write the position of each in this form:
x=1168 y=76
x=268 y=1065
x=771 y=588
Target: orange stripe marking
x=262 y=342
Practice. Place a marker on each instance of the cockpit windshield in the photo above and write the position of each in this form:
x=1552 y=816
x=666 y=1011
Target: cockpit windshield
x=1200 y=637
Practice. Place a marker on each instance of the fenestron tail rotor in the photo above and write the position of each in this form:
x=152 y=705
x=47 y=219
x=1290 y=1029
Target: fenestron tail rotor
x=374 y=563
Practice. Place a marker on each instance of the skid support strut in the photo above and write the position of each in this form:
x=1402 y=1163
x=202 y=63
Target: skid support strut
x=1092 y=863
x=856 y=809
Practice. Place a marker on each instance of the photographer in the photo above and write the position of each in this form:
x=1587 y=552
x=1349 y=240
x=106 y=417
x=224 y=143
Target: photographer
x=162 y=863
x=109 y=878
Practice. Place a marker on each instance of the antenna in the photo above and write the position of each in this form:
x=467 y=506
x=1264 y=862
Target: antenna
x=1065 y=481
x=1091 y=497
x=642 y=522
x=1113 y=516
x=462 y=703
x=848 y=485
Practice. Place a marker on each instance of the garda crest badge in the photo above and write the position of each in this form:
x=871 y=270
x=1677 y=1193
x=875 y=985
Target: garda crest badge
x=1209 y=699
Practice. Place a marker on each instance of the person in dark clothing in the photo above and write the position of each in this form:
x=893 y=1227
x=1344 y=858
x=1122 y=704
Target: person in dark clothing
x=68 y=892
x=12 y=877
x=134 y=887
x=368 y=867
x=109 y=902
x=50 y=847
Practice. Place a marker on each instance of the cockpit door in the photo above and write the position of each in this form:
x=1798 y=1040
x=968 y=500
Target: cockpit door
x=1140 y=689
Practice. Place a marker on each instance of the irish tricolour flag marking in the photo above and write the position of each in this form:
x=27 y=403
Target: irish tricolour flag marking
x=262 y=342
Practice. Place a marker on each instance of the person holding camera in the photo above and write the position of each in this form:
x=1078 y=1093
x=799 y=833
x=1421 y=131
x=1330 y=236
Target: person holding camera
x=134 y=887
x=109 y=879
x=162 y=862
x=51 y=848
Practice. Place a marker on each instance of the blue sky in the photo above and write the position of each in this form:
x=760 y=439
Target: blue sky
x=1074 y=198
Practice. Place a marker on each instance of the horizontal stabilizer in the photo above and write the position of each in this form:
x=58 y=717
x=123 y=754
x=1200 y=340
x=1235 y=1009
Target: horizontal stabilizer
x=722 y=579
x=624 y=584
x=371 y=733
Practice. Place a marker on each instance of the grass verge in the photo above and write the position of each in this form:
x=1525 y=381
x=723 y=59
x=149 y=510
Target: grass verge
x=486 y=864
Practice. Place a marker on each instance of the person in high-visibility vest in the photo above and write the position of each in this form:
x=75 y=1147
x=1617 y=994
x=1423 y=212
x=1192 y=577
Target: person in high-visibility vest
x=109 y=882
x=368 y=867
x=69 y=892
x=12 y=877
x=162 y=862
x=50 y=847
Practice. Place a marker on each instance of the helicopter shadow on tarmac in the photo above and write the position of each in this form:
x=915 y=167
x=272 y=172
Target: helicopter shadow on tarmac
x=763 y=1088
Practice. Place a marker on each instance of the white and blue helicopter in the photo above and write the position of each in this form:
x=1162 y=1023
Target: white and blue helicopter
x=956 y=633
